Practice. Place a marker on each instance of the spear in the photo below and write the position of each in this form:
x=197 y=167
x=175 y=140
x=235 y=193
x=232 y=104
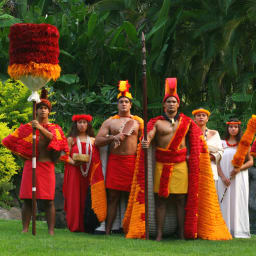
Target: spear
x=145 y=117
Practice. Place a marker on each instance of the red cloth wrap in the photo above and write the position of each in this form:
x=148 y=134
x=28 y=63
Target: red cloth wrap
x=120 y=171
x=75 y=187
x=45 y=181
x=167 y=156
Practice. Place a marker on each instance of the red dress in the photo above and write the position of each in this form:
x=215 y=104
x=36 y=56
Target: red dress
x=75 y=187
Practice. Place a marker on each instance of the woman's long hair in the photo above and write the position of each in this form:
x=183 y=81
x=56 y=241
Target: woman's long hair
x=239 y=134
x=74 y=131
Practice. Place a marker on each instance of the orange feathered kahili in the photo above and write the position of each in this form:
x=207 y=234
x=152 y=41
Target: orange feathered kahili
x=245 y=142
x=211 y=225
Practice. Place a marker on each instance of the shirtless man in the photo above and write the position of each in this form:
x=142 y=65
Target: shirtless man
x=171 y=172
x=123 y=147
x=51 y=142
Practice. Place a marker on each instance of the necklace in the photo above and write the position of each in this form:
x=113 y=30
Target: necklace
x=231 y=145
x=171 y=120
x=206 y=133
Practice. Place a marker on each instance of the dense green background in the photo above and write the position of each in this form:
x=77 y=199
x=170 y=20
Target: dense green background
x=208 y=45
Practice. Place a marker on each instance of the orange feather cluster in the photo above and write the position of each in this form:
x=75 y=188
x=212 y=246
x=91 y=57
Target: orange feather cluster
x=245 y=142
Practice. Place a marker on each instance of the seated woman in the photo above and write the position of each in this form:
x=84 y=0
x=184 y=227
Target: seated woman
x=233 y=188
x=212 y=137
x=77 y=176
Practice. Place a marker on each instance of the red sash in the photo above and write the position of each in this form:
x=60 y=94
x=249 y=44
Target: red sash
x=172 y=155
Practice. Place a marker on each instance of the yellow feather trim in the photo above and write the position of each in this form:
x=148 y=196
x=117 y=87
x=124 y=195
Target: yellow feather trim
x=46 y=70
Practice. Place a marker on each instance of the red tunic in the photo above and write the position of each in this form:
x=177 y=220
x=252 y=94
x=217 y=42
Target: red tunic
x=120 y=171
x=75 y=187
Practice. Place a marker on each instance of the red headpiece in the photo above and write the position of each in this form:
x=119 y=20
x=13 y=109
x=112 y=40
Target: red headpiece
x=44 y=100
x=234 y=122
x=76 y=118
x=171 y=89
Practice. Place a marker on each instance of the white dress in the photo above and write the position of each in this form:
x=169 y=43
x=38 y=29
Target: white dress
x=234 y=207
x=214 y=144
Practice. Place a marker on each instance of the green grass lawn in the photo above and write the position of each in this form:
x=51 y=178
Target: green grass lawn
x=13 y=242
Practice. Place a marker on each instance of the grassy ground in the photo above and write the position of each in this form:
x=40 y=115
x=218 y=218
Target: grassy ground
x=13 y=242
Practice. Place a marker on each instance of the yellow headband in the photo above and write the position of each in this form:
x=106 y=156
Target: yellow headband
x=201 y=110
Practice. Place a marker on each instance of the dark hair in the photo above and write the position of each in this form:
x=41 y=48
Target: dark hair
x=239 y=134
x=74 y=131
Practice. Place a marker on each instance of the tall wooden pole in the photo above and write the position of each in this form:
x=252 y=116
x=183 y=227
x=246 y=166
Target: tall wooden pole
x=34 y=174
x=145 y=118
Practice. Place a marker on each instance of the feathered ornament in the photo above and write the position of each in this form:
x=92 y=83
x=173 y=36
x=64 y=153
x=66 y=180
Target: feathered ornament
x=171 y=89
x=34 y=52
x=123 y=88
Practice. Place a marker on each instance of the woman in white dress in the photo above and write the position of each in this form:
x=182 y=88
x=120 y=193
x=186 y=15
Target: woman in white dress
x=212 y=137
x=234 y=201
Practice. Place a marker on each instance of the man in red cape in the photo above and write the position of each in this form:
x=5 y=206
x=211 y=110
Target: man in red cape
x=180 y=173
x=50 y=142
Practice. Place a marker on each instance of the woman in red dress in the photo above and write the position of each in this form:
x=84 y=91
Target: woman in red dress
x=77 y=171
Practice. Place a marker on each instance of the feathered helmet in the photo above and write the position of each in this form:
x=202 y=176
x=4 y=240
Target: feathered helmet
x=123 y=88
x=44 y=100
x=171 y=89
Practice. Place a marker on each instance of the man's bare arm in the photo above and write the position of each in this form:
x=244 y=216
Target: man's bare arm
x=103 y=137
x=45 y=132
x=150 y=137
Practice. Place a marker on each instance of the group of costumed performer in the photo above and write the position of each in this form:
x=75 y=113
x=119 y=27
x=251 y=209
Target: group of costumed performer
x=203 y=216
x=120 y=134
x=83 y=185
x=212 y=138
x=233 y=187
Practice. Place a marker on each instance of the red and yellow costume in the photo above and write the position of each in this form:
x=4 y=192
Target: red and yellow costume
x=203 y=217
x=20 y=143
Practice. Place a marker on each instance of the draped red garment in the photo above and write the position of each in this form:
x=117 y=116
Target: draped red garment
x=120 y=171
x=45 y=181
x=75 y=187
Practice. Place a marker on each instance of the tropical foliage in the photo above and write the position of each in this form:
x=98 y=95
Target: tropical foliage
x=208 y=45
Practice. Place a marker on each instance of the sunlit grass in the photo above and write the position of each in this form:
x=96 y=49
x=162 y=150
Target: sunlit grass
x=13 y=242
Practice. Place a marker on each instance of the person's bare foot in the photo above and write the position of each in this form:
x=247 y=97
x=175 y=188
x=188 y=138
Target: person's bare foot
x=159 y=238
x=51 y=232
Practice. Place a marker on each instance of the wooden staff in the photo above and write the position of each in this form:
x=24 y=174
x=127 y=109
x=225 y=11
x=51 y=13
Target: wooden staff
x=145 y=118
x=34 y=174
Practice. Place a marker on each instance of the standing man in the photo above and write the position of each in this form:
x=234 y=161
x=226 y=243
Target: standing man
x=49 y=145
x=171 y=171
x=121 y=133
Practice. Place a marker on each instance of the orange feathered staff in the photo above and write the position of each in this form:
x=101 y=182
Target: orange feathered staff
x=34 y=52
